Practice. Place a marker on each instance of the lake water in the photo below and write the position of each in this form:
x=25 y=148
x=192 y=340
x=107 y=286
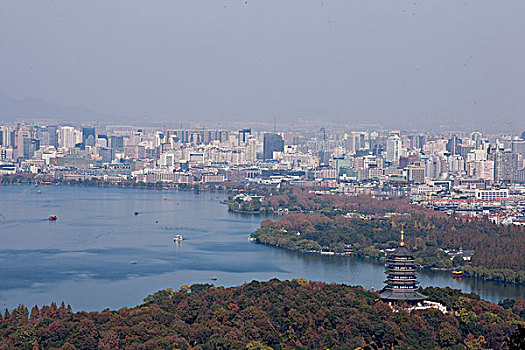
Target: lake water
x=84 y=257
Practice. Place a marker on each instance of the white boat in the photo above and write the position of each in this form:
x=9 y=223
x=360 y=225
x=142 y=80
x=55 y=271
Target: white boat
x=177 y=238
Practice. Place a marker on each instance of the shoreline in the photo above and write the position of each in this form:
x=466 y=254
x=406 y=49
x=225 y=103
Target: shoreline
x=383 y=259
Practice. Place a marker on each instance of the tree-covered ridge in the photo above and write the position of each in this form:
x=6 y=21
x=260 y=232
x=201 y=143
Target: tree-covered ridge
x=295 y=199
x=265 y=315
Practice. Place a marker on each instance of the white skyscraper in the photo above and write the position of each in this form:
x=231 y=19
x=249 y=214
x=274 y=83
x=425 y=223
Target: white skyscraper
x=393 y=148
x=6 y=135
x=67 y=137
x=433 y=167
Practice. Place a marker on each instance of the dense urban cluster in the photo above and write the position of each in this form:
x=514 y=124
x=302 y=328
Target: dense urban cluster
x=269 y=315
x=467 y=173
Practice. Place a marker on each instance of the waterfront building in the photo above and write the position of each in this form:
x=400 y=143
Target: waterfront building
x=401 y=284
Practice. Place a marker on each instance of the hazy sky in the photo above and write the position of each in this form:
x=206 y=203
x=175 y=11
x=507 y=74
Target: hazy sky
x=451 y=63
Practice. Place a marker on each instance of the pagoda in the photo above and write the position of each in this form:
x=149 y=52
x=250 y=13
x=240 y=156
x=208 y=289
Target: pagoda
x=401 y=283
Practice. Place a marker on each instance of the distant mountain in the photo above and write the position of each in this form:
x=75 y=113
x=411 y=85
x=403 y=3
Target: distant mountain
x=12 y=109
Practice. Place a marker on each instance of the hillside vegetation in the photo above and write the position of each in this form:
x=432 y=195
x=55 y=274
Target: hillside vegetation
x=266 y=315
x=373 y=226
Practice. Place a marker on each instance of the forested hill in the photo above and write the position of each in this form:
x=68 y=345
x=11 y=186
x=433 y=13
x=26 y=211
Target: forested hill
x=264 y=315
x=498 y=250
x=372 y=225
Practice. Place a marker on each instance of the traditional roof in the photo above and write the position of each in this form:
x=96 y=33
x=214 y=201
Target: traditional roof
x=402 y=295
x=401 y=251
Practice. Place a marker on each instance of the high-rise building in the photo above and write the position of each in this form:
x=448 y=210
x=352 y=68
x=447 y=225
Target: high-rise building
x=21 y=134
x=456 y=164
x=416 y=141
x=160 y=138
x=393 y=148
x=251 y=149
x=453 y=145
x=354 y=142
x=102 y=140
x=88 y=136
x=117 y=143
x=107 y=154
x=505 y=164
x=67 y=137
x=484 y=169
x=518 y=146
x=48 y=136
x=7 y=137
x=272 y=143
x=244 y=134
x=30 y=147
x=416 y=173
x=433 y=167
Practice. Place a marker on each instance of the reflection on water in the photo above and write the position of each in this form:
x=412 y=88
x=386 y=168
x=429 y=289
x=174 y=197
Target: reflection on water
x=84 y=257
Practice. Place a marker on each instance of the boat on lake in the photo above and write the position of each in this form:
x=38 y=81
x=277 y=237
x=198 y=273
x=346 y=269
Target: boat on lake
x=52 y=218
x=457 y=273
x=177 y=238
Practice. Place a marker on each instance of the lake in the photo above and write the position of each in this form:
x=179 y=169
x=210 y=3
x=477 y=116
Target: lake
x=84 y=258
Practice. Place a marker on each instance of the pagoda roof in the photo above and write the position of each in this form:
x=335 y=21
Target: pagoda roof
x=399 y=282
x=401 y=251
x=402 y=295
x=394 y=262
x=402 y=273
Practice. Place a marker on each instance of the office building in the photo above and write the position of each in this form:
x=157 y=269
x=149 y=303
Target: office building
x=393 y=148
x=88 y=136
x=272 y=143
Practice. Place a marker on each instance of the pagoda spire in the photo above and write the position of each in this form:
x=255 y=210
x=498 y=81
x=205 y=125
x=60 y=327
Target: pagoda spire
x=402 y=243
